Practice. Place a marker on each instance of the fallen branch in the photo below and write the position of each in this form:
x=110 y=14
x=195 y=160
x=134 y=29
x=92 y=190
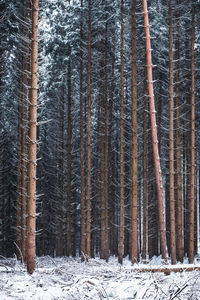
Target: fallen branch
x=178 y=291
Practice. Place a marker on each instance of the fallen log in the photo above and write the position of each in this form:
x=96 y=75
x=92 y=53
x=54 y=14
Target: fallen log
x=167 y=269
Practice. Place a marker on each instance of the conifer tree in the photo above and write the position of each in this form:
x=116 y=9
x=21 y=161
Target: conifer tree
x=31 y=210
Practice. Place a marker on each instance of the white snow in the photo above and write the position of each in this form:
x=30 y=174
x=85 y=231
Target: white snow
x=68 y=278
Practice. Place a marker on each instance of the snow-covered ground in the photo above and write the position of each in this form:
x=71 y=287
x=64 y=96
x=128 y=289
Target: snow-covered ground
x=68 y=278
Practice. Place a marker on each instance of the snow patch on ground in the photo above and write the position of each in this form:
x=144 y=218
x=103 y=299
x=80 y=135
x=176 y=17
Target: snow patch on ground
x=68 y=278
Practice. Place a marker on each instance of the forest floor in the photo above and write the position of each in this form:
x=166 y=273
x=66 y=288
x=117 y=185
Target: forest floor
x=68 y=278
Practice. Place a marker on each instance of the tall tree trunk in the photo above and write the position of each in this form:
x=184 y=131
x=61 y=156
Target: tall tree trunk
x=179 y=205
x=82 y=142
x=111 y=201
x=191 y=199
x=31 y=211
x=134 y=196
x=88 y=221
x=187 y=140
x=154 y=137
x=121 y=230
x=69 y=156
x=171 y=140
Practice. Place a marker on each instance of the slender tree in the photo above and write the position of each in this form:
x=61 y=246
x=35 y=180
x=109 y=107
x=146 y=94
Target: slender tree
x=82 y=140
x=121 y=231
x=69 y=155
x=31 y=211
x=171 y=140
x=191 y=204
x=88 y=221
x=134 y=196
x=179 y=227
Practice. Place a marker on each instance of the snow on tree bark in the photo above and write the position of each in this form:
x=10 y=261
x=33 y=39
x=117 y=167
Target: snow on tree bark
x=31 y=210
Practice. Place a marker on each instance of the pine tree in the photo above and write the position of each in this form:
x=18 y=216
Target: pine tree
x=31 y=210
x=121 y=231
x=88 y=216
x=191 y=205
x=134 y=197
x=171 y=140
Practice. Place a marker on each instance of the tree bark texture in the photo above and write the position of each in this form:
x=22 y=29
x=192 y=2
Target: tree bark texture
x=171 y=140
x=69 y=157
x=134 y=190
x=179 y=205
x=121 y=230
x=88 y=221
x=82 y=142
x=191 y=205
x=31 y=211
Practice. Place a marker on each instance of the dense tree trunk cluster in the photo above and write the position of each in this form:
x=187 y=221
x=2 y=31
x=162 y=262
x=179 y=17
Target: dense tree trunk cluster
x=115 y=145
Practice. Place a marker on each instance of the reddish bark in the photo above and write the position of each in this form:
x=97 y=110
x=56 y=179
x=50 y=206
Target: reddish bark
x=154 y=136
x=31 y=211
x=191 y=205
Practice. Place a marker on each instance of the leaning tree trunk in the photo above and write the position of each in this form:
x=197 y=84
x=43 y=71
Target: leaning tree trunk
x=31 y=211
x=154 y=136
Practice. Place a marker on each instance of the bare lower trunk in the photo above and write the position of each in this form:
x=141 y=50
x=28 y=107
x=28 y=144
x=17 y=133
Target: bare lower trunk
x=179 y=224
x=69 y=158
x=121 y=230
x=88 y=225
x=191 y=205
x=31 y=222
x=134 y=190
x=171 y=141
x=82 y=142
